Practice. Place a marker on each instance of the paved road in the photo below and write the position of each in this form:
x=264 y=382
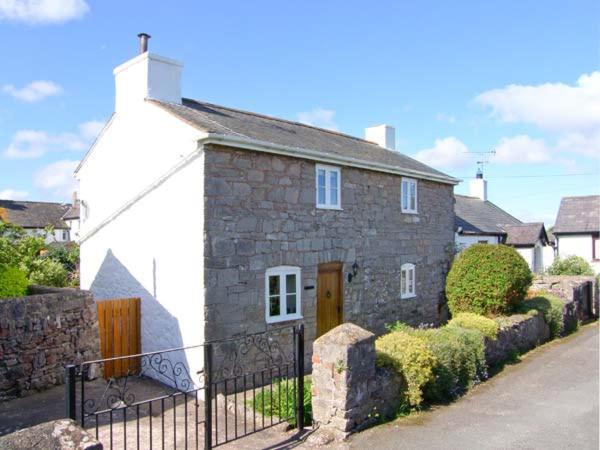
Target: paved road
x=547 y=401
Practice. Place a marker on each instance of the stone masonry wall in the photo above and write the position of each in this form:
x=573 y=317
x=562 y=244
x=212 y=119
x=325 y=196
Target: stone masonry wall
x=571 y=289
x=261 y=213
x=40 y=334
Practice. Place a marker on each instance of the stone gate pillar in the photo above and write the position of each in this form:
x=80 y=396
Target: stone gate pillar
x=343 y=370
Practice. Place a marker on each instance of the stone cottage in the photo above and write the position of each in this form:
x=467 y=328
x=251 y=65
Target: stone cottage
x=228 y=222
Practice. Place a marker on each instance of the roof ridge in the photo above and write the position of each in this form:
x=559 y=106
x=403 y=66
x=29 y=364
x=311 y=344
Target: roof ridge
x=34 y=201
x=293 y=122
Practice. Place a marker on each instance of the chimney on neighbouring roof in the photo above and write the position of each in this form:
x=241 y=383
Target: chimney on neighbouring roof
x=478 y=186
x=144 y=42
x=74 y=198
x=146 y=76
x=382 y=135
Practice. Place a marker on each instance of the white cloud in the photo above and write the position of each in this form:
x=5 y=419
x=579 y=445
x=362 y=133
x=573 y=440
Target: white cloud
x=91 y=129
x=522 y=149
x=36 y=12
x=28 y=144
x=442 y=117
x=34 y=91
x=13 y=194
x=318 y=117
x=57 y=177
x=448 y=153
x=571 y=112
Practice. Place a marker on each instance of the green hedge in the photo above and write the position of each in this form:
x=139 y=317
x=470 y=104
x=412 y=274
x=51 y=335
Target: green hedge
x=551 y=307
x=571 y=265
x=487 y=327
x=411 y=358
x=13 y=282
x=488 y=280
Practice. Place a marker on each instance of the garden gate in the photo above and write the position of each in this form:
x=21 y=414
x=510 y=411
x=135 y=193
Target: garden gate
x=160 y=402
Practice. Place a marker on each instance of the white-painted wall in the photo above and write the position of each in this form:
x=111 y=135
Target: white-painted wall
x=463 y=241
x=579 y=245
x=73 y=229
x=548 y=255
x=57 y=236
x=120 y=255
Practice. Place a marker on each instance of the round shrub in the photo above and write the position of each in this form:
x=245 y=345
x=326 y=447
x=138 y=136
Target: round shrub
x=410 y=357
x=487 y=279
x=13 y=282
x=48 y=272
x=487 y=327
x=571 y=265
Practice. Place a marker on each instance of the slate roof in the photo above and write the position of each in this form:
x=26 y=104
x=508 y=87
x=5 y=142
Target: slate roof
x=578 y=215
x=525 y=234
x=33 y=214
x=476 y=216
x=222 y=120
x=72 y=213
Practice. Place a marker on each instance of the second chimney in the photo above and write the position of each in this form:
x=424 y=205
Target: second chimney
x=382 y=135
x=144 y=42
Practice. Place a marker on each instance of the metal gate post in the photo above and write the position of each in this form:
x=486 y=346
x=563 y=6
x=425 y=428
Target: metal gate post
x=208 y=355
x=300 y=375
x=70 y=380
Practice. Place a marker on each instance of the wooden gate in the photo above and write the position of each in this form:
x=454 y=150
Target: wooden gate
x=120 y=335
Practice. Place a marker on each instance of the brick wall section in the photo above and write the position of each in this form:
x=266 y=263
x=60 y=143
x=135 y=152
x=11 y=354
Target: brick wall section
x=261 y=213
x=40 y=334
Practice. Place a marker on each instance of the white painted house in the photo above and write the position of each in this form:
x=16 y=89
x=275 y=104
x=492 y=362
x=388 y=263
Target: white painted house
x=477 y=221
x=577 y=229
x=34 y=217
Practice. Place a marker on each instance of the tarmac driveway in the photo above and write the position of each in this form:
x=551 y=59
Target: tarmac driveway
x=547 y=401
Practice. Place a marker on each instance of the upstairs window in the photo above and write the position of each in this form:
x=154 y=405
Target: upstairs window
x=407 y=281
x=328 y=180
x=282 y=294
x=408 y=195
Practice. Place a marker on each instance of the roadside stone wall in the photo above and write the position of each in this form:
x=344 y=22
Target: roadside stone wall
x=58 y=434
x=260 y=213
x=517 y=334
x=571 y=289
x=40 y=334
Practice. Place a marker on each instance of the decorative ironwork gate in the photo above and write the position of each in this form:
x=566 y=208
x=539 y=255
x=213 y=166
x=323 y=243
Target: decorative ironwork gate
x=244 y=385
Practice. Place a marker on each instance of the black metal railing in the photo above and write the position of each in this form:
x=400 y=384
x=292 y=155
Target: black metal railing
x=245 y=385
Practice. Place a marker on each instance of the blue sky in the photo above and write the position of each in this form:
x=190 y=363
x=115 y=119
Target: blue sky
x=454 y=78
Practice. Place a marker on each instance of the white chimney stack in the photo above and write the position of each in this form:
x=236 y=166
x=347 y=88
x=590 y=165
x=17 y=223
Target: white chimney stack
x=147 y=76
x=382 y=135
x=478 y=186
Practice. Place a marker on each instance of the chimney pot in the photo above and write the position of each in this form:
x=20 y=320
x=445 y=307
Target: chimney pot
x=144 y=42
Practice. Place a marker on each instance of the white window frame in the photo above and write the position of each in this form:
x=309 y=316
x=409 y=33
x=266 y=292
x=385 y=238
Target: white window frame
x=410 y=270
x=281 y=272
x=409 y=182
x=328 y=170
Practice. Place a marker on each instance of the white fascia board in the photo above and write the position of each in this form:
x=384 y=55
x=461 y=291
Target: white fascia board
x=261 y=146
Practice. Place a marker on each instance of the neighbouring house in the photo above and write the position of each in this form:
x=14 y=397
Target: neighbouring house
x=71 y=218
x=34 y=217
x=530 y=240
x=478 y=220
x=577 y=228
x=228 y=222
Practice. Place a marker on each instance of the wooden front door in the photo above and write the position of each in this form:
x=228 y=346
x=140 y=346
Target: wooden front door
x=330 y=295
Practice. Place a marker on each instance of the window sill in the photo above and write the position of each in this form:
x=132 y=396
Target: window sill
x=407 y=211
x=407 y=296
x=334 y=208
x=284 y=318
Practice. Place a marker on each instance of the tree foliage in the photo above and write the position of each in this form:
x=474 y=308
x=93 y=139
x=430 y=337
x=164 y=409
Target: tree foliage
x=571 y=265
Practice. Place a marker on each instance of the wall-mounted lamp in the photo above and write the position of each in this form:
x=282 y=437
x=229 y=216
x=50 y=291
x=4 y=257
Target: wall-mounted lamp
x=352 y=274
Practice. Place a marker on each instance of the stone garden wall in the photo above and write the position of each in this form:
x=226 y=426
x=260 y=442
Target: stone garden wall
x=40 y=334
x=572 y=289
x=58 y=434
x=350 y=392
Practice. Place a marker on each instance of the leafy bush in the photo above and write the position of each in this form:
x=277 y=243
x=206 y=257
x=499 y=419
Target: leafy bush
x=487 y=279
x=571 y=265
x=487 y=327
x=48 y=272
x=13 y=282
x=550 y=307
x=460 y=361
x=410 y=357
x=281 y=402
